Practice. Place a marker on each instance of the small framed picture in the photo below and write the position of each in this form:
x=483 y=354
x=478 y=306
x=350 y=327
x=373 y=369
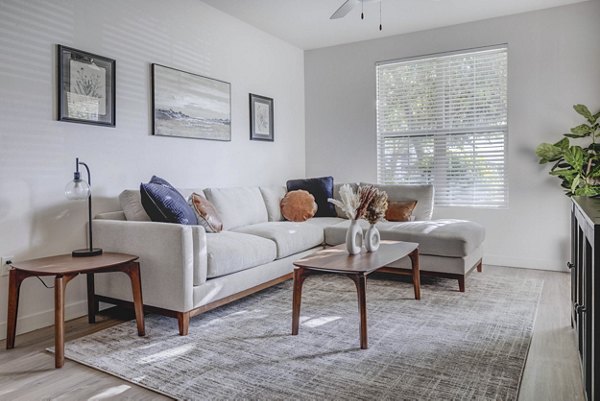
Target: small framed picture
x=261 y=118
x=86 y=87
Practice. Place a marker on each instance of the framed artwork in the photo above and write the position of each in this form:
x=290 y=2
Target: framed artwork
x=189 y=105
x=86 y=87
x=261 y=118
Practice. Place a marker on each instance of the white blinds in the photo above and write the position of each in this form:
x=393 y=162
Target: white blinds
x=443 y=120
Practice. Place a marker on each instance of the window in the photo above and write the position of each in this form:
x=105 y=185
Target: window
x=443 y=120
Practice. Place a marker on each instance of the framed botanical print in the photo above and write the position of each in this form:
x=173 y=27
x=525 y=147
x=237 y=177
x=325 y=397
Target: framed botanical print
x=261 y=118
x=86 y=87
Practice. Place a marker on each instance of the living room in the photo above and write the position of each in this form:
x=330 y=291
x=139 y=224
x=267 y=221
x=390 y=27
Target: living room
x=321 y=80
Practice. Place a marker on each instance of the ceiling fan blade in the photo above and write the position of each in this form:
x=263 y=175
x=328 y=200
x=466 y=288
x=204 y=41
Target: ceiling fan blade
x=344 y=9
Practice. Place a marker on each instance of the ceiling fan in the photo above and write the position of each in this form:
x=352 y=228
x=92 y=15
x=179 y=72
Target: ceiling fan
x=348 y=6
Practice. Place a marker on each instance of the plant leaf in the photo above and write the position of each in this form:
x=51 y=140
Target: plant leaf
x=583 y=110
x=575 y=183
x=596 y=116
x=582 y=130
x=563 y=144
x=548 y=152
x=574 y=156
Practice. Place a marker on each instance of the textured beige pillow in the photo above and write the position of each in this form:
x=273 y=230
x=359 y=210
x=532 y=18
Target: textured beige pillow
x=131 y=203
x=298 y=205
x=400 y=210
x=206 y=213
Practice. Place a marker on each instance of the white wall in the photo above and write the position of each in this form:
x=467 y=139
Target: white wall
x=37 y=153
x=553 y=64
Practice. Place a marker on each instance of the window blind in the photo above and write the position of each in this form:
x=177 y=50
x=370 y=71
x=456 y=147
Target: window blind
x=443 y=120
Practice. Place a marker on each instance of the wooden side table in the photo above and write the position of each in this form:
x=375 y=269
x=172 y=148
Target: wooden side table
x=65 y=268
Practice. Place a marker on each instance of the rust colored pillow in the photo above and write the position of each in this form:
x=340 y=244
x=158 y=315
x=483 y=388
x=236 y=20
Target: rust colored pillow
x=298 y=205
x=400 y=210
x=206 y=213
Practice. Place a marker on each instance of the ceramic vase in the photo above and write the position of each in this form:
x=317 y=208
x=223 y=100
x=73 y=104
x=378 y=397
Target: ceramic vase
x=354 y=238
x=372 y=239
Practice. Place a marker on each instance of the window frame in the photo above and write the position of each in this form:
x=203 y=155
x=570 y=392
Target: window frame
x=438 y=135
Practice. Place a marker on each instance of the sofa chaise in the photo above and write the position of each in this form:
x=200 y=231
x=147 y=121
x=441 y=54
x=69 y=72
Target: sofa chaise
x=186 y=271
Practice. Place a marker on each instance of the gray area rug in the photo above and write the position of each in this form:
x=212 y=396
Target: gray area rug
x=448 y=346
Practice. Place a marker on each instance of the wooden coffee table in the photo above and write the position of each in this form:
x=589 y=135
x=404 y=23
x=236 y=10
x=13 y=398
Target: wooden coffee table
x=356 y=267
x=65 y=268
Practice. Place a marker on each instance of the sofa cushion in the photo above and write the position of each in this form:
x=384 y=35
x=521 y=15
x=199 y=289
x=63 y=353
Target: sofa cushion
x=456 y=238
x=238 y=206
x=298 y=206
x=206 y=213
x=321 y=188
x=229 y=252
x=324 y=222
x=290 y=237
x=272 y=196
x=423 y=194
x=164 y=203
x=400 y=210
x=131 y=203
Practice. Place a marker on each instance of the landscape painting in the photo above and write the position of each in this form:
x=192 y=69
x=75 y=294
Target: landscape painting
x=190 y=105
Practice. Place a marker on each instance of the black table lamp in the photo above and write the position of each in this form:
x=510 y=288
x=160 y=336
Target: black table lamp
x=78 y=189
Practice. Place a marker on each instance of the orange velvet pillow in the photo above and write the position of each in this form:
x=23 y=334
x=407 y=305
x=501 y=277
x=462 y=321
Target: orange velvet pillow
x=400 y=211
x=298 y=205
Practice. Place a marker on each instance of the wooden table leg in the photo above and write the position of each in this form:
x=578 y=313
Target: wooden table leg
x=300 y=275
x=91 y=298
x=361 y=288
x=60 y=284
x=133 y=271
x=416 y=275
x=15 y=279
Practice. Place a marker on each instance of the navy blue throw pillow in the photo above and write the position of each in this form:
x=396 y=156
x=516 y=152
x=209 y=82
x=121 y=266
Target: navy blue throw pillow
x=165 y=204
x=321 y=188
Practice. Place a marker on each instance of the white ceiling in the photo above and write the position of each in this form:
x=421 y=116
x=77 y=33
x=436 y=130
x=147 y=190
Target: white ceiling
x=306 y=23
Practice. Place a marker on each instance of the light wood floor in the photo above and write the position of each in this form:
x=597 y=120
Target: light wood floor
x=551 y=373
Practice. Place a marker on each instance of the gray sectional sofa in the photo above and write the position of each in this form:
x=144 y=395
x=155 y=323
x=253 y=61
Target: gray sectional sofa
x=186 y=271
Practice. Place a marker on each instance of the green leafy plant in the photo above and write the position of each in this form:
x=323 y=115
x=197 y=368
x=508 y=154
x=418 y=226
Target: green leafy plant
x=577 y=166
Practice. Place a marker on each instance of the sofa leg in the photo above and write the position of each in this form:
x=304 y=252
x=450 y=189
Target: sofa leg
x=461 y=283
x=183 y=319
x=480 y=266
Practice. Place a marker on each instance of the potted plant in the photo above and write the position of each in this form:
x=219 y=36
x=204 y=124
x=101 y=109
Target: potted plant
x=576 y=165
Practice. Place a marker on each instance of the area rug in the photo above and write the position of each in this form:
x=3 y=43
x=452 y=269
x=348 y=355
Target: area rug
x=447 y=346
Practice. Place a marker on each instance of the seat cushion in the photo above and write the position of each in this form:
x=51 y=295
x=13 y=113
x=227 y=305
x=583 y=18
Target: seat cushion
x=238 y=206
x=229 y=252
x=455 y=238
x=290 y=237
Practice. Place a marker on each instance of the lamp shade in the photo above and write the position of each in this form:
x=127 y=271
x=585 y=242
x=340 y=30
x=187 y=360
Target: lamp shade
x=77 y=189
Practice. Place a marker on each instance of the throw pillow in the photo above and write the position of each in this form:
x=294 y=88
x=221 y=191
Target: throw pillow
x=321 y=188
x=298 y=205
x=206 y=213
x=400 y=210
x=165 y=204
x=131 y=203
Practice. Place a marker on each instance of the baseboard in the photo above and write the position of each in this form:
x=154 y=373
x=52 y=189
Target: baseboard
x=525 y=263
x=45 y=318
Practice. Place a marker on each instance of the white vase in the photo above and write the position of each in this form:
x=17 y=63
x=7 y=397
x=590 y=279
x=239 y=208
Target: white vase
x=372 y=239
x=354 y=238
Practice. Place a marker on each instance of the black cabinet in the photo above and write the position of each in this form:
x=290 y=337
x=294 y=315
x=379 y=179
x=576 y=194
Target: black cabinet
x=585 y=289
